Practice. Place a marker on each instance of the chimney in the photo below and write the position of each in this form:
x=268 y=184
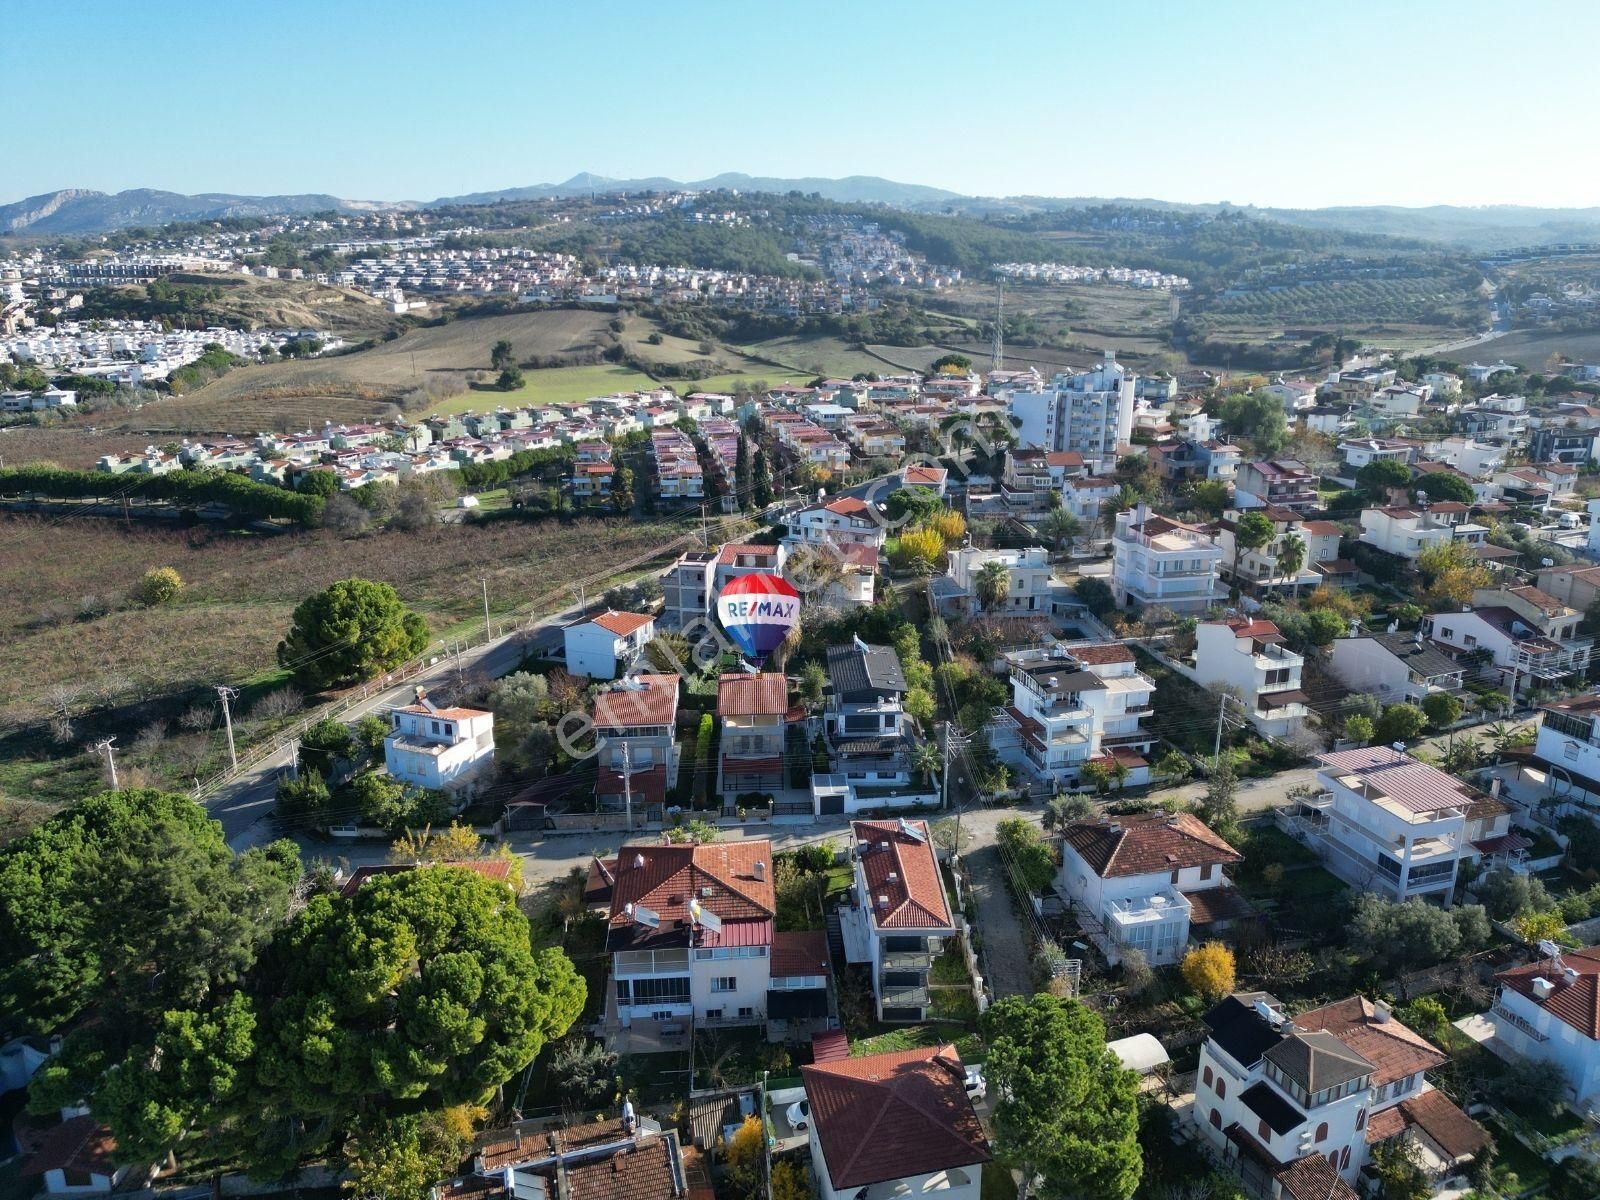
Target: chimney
x=1380 y=1012
x=1494 y=787
x=1542 y=988
x=760 y=870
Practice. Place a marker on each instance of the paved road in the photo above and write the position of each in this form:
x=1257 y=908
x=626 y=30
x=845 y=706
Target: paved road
x=244 y=805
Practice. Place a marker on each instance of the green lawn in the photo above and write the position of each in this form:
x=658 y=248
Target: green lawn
x=911 y=1037
x=997 y=1183
x=555 y=385
x=771 y=376
x=1516 y=1169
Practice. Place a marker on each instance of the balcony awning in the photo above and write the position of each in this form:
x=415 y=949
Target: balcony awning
x=1506 y=843
x=799 y=1002
x=1282 y=699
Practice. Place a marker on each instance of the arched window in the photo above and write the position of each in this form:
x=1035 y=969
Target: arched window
x=1361 y=1120
x=1216 y=1118
x=1265 y=1131
x=1322 y=1132
x=1333 y=1159
x=1222 y=1088
x=1207 y=1076
x=1344 y=1158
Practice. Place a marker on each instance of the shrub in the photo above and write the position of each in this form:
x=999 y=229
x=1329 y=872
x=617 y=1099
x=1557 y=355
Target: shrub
x=1209 y=970
x=157 y=586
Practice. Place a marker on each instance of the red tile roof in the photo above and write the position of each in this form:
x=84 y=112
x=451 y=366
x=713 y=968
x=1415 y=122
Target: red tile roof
x=1394 y=1050
x=1414 y=785
x=743 y=695
x=800 y=952
x=622 y=623
x=733 y=550
x=647 y=786
x=1313 y=1178
x=1258 y=629
x=1457 y=1134
x=847 y=506
x=915 y=896
x=1145 y=843
x=641 y=1173
x=666 y=878
x=925 y=475
x=81 y=1144
x=1101 y=653
x=829 y=1046
x=656 y=703
x=1577 y=1003
x=1385 y=1124
x=450 y=714
x=890 y=1116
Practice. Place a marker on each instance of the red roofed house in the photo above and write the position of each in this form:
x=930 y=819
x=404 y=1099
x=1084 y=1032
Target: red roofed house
x=690 y=934
x=635 y=722
x=438 y=748
x=1142 y=882
x=75 y=1158
x=754 y=711
x=631 y=1158
x=897 y=1124
x=1295 y=1105
x=839 y=521
x=1249 y=655
x=898 y=916
x=1549 y=1011
x=599 y=647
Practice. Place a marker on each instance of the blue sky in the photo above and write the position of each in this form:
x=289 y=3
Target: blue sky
x=1401 y=103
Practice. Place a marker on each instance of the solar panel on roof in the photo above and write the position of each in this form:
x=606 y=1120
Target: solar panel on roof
x=647 y=916
x=910 y=830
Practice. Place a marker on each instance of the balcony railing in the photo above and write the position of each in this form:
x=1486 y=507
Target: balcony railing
x=905 y=997
x=652 y=962
x=907 y=960
x=1502 y=1013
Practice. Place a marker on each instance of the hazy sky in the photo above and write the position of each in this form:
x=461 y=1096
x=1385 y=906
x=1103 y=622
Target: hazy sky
x=1285 y=103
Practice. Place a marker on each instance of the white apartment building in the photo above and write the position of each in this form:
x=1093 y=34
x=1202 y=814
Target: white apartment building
x=1386 y=823
x=1406 y=530
x=898 y=917
x=1295 y=1105
x=1090 y=412
x=1549 y=1012
x=604 y=645
x=1073 y=703
x=1141 y=882
x=690 y=934
x=1255 y=570
x=438 y=748
x=1157 y=560
x=1518 y=637
x=842 y=521
x=1028 y=575
x=1471 y=457
x=1247 y=655
x=636 y=749
x=1395 y=668
x=1568 y=744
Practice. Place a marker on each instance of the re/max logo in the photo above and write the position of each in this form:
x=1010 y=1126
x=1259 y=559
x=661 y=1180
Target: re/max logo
x=778 y=607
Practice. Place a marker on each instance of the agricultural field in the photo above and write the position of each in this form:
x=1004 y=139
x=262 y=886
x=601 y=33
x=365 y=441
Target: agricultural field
x=813 y=356
x=552 y=385
x=70 y=625
x=438 y=360
x=1534 y=350
x=69 y=445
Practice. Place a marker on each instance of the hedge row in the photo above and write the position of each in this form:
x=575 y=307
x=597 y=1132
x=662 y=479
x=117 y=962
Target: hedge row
x=243 y=497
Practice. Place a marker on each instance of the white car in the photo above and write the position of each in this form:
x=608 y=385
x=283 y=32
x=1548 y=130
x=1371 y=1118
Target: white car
x=977 y=1086
x=798 y=1115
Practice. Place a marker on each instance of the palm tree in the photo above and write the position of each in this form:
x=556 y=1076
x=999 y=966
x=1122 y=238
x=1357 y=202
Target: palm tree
x=992 y=584
x=1291 y=557
x=925 y=760
x=1060 y=525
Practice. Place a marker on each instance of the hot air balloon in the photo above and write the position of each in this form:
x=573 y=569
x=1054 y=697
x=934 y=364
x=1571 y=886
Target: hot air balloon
x=758 y=611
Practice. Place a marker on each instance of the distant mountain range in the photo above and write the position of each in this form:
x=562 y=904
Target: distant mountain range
x=75 y=211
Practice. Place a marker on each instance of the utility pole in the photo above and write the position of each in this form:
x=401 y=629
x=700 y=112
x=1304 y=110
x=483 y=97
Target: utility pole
x=997 y=352
x=105 y=747
x=1222 y=711
x=627 y=787
x=583 y=604
x=225 y=694
x=488 y=633
x=703 y=542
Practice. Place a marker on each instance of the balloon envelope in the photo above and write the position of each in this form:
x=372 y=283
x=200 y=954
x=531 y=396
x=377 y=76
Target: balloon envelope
x=758 y=611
